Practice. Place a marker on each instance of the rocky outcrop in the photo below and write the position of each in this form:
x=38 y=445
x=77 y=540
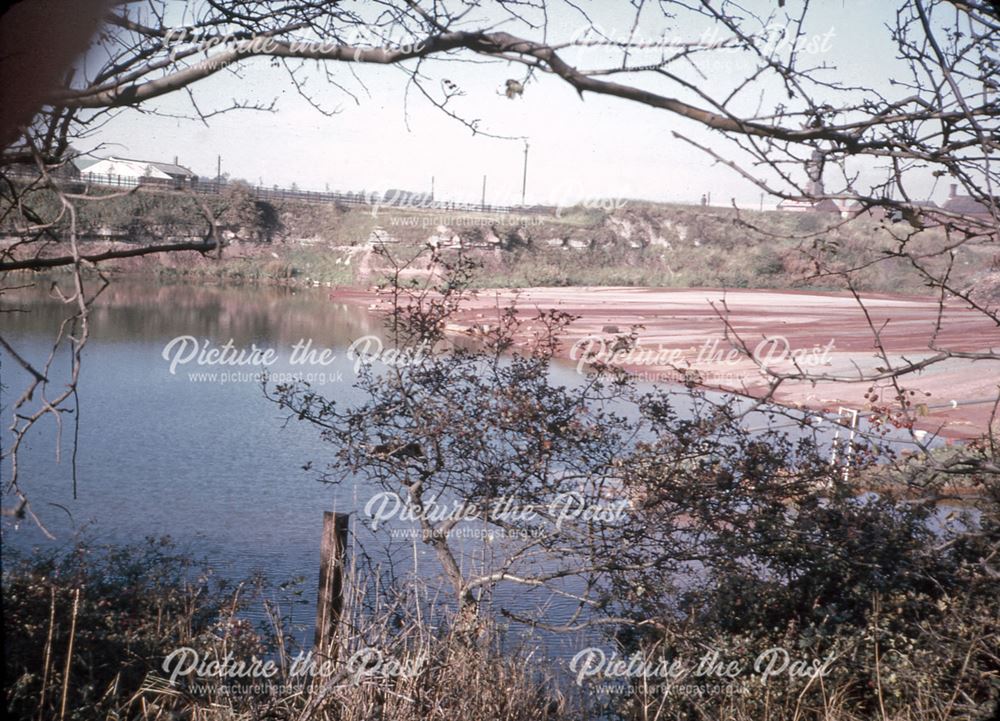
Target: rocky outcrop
x=986 y=291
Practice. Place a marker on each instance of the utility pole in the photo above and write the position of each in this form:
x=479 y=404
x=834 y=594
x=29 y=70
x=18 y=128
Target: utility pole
x=432 y=187
x=482 y=203
x=218 y=169
x=524 y=178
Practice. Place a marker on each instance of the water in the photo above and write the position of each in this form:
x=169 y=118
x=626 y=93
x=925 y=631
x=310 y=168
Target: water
x=212 y=464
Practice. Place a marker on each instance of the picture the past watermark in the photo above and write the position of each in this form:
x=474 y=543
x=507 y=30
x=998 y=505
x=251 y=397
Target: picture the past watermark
x=711 y=673
x=710 y=354
x=189 y=666
x=227 y=362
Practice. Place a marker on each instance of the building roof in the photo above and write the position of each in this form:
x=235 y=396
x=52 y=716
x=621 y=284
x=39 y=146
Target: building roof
x=966 y=205
x=915 y=203
x=879 y=211
x=170 y=169
x=822 y=206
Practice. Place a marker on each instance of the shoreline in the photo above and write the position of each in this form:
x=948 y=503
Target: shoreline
x=825 y=331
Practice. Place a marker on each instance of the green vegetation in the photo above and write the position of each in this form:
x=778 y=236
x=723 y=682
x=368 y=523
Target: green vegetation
x=743 y=541
x=639 y=244
x=739 y=538
x=303 y=265
x=124 y=608
x=111 y=616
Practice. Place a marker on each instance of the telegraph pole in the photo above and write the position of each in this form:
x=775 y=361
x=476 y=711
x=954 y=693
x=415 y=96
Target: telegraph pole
x=483 y=201
x=524 y=178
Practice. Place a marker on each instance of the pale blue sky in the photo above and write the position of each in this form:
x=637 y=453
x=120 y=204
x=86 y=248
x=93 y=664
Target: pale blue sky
x=599 y=147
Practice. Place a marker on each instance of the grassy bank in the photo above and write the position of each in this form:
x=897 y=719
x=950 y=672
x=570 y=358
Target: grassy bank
x=131 y=632
x=639 y=244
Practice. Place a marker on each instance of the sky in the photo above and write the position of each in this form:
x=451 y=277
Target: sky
x=593 y=149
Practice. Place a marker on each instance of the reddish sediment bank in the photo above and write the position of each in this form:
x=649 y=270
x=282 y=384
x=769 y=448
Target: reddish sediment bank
x=825 y=333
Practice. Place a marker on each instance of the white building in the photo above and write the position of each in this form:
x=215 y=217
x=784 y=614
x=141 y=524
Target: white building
x=131 y=168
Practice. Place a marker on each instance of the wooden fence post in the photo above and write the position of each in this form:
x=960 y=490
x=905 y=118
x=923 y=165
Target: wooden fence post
x=330 y=598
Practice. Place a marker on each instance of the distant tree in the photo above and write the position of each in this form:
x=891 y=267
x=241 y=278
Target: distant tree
x=240 y=211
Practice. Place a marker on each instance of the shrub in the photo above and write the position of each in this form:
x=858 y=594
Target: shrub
x=736 y=539
x=125 y=609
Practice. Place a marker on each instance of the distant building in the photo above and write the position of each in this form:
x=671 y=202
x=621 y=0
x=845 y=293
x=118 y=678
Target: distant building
x=138 y=169
x=64 y=168
x=850 y=209
x=808 y=206
x=854 y=209
x=964 y=204
x=814 y=188
x=957 y=204
x=30 y=170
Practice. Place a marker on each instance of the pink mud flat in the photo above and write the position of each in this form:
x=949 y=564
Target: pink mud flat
x=825 y=333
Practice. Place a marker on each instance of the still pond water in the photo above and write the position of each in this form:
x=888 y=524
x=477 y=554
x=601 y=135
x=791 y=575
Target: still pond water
x=212 y=464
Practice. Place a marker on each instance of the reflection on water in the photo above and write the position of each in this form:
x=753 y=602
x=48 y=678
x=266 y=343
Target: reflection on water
x=202 y=457
x=209 y=462
x=130 y=311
